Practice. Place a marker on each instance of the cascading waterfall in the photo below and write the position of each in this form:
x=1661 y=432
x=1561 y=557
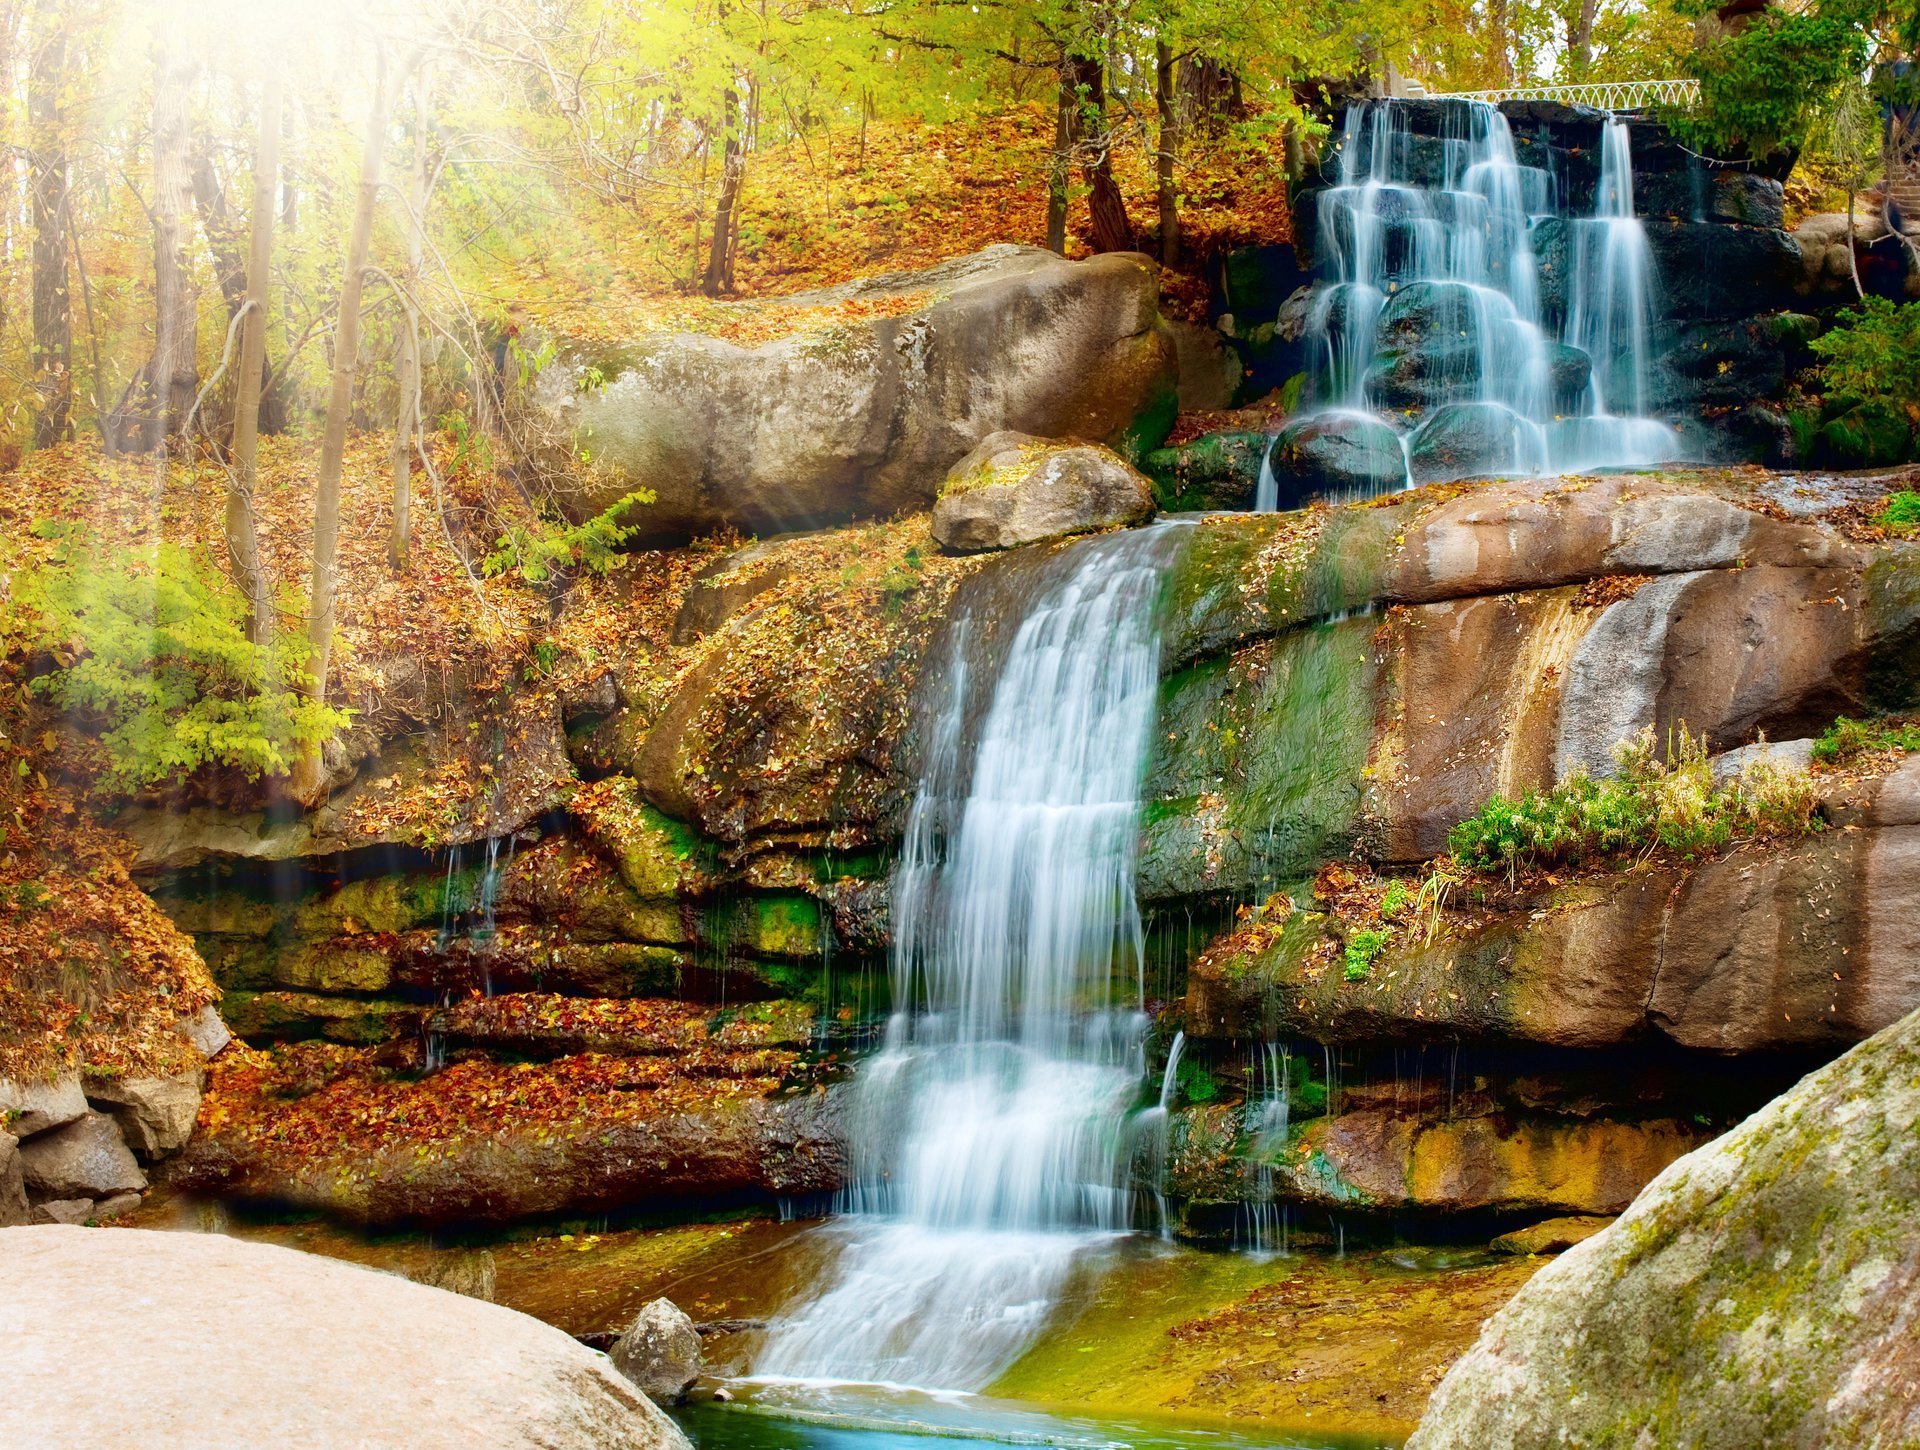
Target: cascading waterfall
x=1432 y=325
x=991 y=1131
x=1265 y=1121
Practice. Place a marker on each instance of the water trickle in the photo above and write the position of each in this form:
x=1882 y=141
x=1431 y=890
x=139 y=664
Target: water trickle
x=1431 y=327
x=1266 y=1121
x=991 y=1132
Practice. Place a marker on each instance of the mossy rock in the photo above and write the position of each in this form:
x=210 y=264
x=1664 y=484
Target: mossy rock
x=296 y=1016
x=335 y=966
x=783 y=925
x=1871 y=435
x=1216 y=471
x=393 y=903
x=661 y=858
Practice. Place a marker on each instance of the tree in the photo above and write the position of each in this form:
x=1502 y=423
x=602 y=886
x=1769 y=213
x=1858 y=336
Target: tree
x=49 y=182
x=155 y=403
x=309 y=776
x=406 y=363
x=243 y=542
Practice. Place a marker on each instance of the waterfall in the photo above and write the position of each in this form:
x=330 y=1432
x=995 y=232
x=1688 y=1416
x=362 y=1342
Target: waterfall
x=1431 y=327
x=991 y=1131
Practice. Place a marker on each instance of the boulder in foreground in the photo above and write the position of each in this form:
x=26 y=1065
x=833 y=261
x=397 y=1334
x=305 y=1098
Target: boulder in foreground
x=1016 y=489
x=1761 y=1291
x=659 y=1352
x=204 y=1342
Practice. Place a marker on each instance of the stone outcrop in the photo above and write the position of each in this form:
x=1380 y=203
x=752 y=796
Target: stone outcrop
x=1760 y=1292
x=108 y=1324
x=659 y=1352
x=1017 y=489
x=155 y=1114
x=86 y=1158
x=38 y=1106
x=862 y=418
x=13 y=1186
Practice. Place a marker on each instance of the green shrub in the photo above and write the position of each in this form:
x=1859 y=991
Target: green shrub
x=1651 y=801
x=1872 y=355
x=1363 y=945
x=1196 y=1084
x=549 y=548
x=1902 y=513
x=1845 y=740
x=1766 y=86
x=150 y=647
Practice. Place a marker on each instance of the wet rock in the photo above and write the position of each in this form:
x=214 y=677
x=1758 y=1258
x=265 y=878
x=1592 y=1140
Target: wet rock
x=40 y=1105
x=305 y=1351
x=1760 y=1292
x=86 y=1158
x=864 y=420
x=1550 y=1236
x=1216 y=471
x=1466 y=440
x=1710 y=269
x=659 y=1352
x=155 y=1114
x=1336 y=455
x=293 y=1016
x=1017 y=489
x=1385 y=1158
x=1870 y=435
x=13 y=1187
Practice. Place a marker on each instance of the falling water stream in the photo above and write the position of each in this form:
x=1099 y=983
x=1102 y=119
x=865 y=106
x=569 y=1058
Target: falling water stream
x=1433 y=321
x=991 y=1132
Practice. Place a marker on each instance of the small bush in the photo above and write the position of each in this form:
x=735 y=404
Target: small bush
x=1652 y=801
x=1902 y=513
x=550 y=548
x=1363 y=945
x=1870 y=368
x=151 y=647
x=1847 y=740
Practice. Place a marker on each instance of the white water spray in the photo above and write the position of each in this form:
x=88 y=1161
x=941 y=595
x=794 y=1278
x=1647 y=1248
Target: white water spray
x=991 y=1132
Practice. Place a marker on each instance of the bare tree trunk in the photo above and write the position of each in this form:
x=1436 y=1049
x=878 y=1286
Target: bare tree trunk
x=406 y=366
x=1066 y=131
x=243 y=542
x=309 y=773
x=1168 y=151
x=222 y=231
x=48 y=179
x=154 y=406
x=1580 y=46
x=1112 y=231
x=718 y=276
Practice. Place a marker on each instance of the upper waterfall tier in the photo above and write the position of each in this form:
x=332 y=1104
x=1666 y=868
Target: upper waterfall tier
x=1454 y=332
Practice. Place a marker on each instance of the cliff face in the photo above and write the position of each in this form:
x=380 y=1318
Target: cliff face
x=671 y=966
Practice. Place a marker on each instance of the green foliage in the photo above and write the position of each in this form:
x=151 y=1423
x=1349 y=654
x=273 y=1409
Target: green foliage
x=151 y=647
x=1363 y=945
x=1902 y=513
x=28 y=896
x=1764 y=88
x=1652 y=801
x=1846 y=740
x=1195 y=1082
x=1395 y=900
x=1872 y=355
x=548 y=548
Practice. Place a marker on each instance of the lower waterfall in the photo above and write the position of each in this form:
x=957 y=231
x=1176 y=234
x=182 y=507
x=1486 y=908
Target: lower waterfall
x=991 y=1133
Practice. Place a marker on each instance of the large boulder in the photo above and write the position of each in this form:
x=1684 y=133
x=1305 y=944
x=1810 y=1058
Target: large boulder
x=1015 y=489
x=111 y=1328
x=85 y=1159
x=13 y=1187
x=1336 y=456
x=155 y=1114
x=38 y=1106
x=659 y=1352
x=863 y=417
x=1761 y=1291
x=1466 y=440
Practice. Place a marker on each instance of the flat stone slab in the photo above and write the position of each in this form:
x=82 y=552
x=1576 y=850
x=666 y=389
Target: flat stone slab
x=181 y=1341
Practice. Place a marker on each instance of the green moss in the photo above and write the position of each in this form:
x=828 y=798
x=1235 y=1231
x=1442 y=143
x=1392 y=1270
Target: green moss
x=784 y=924
x=1216 y=471
x=1363 y=945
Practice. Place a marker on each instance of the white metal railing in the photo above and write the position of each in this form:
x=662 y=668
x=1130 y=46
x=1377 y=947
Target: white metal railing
x=1602 y=95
